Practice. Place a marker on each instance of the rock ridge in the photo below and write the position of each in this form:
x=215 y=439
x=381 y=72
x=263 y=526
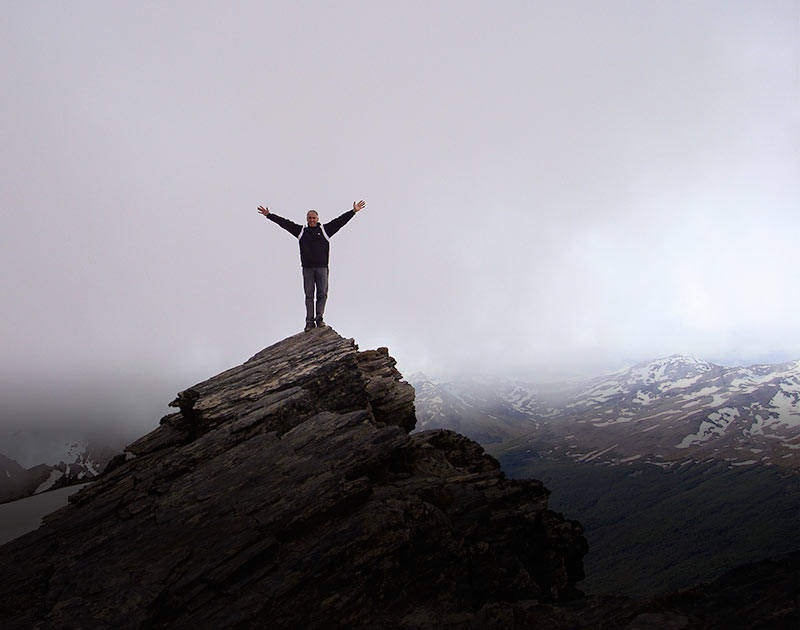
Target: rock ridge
x=288 y=492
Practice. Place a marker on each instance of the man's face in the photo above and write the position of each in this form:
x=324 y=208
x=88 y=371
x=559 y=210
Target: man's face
x=312 y=218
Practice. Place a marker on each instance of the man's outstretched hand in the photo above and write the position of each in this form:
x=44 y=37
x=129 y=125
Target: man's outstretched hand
x=358 y=206
x=263 y=210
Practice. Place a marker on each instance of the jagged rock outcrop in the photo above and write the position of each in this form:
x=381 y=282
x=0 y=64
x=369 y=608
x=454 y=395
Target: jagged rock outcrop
x=288 y=493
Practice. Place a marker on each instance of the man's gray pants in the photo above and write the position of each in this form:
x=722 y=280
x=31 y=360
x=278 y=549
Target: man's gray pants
x=315 y=278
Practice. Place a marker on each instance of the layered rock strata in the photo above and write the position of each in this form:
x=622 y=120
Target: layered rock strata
x=287 y=493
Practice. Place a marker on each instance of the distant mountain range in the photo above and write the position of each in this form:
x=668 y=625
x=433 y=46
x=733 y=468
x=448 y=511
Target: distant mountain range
x=81 y=461
x=679 y=469
x=666 y=412
x=289 y=492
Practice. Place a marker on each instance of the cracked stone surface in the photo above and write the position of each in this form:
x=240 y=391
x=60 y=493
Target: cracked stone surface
x=287 y=492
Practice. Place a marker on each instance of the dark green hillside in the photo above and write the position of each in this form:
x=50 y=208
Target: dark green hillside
x=651 y=530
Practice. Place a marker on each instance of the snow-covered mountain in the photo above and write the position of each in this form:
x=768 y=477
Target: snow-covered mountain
x=666 y=412
x=79 y=461
x=664 y=463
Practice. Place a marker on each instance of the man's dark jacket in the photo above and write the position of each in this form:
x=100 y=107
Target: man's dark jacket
x=314 y=245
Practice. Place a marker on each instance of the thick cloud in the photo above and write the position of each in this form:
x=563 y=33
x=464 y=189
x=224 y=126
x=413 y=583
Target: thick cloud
x=551 y=190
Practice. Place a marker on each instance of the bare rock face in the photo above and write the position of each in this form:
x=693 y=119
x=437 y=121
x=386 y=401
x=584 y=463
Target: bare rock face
x=287 y=493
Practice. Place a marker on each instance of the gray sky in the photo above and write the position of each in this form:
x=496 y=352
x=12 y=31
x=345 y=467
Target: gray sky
x=553 y=189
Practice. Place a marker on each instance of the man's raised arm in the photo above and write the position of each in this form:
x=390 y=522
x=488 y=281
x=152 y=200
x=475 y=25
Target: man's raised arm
x=290 y=226
x=338 y=223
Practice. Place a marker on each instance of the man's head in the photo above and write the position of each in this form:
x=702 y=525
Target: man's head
x=312 y=218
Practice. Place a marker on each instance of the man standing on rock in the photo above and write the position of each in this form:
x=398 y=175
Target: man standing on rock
x=314 y=250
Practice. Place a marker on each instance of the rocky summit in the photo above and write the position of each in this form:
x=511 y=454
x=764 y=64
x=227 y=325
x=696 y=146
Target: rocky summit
x=288 y=492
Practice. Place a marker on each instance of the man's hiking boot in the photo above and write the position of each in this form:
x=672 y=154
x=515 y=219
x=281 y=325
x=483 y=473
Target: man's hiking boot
x=321 y=324
x=309 y=326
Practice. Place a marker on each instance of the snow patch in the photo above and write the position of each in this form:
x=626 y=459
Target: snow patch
x=619 y=420
x=594 y=454
x=658 y=415
x=682 y=383
x=705 y=391
x=715 y=424
x=788 y=409
x=644 y=398
x=760 y=426
x=718 y=399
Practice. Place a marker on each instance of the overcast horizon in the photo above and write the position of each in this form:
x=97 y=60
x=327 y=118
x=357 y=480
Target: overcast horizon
x=554 y=191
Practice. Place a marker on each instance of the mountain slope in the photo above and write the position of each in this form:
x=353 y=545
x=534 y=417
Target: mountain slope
x=678 y=469
x=665 y=412
x=288 y=493
x=653 y=530
x=679 y=409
